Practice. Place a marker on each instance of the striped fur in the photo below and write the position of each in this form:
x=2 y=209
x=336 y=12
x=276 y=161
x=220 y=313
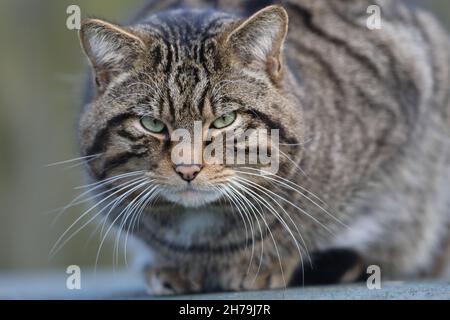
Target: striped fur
x=364 y=120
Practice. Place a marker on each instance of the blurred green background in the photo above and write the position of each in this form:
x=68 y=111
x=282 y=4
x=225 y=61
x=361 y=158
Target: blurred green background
x=41 y=71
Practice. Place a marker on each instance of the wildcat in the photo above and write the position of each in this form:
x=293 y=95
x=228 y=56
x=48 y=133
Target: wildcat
x=363 y=118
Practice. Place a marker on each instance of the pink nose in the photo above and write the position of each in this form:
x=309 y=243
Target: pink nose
x=188 y=172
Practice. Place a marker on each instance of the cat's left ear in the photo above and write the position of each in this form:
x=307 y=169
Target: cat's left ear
x=111 y=49
x=261 y=38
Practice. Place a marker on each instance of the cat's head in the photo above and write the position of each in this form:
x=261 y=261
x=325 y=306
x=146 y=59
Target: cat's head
x=188 y=72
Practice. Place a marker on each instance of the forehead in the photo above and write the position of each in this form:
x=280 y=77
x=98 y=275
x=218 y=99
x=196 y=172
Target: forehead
x=178 y=90
x=187 y=26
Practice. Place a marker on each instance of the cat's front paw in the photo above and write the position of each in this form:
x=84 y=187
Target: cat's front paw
x=162 y=281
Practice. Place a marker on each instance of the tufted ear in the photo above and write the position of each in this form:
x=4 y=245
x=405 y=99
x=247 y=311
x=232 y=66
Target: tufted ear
x=111 y=49
x=261 y=38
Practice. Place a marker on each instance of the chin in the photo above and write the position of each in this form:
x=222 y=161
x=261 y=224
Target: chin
x=192 y=198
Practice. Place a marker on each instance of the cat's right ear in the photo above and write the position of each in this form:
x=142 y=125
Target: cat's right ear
x=111 y=49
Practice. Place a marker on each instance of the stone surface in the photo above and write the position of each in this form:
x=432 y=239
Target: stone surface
x=129 y=285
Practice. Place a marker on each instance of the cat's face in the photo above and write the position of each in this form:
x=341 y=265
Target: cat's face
x=178 y=84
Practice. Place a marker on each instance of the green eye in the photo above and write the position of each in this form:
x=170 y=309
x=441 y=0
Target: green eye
x=153 y=125
x=225 y=120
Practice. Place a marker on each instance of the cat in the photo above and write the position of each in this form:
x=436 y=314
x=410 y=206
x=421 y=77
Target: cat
x=363 y=118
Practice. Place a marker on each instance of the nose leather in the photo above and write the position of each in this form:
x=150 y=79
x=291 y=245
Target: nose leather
x=188 y=172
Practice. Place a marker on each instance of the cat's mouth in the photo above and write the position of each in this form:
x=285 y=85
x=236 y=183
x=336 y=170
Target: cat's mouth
x=191 y=196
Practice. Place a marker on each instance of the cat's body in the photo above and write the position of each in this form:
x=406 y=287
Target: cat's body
x=364 y=118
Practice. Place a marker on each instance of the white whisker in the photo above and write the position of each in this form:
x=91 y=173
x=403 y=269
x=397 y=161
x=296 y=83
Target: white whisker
x=270 y=232
x=262 y=190
x=59 y=244
x=272 y=209
x=130 y=213
x=247 y=214
x=250 y=205
x=115 y=205
x=110 y=179
x=79 y=199
x=82 y=159
x=290 y=185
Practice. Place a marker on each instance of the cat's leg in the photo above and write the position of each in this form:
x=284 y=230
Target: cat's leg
x=238 y=272
x=173 y=281
x=247 y=273
x=326 y=267
x=170 y=281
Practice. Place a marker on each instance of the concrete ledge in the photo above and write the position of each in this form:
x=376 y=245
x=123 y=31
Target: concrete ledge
x=129 y=285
